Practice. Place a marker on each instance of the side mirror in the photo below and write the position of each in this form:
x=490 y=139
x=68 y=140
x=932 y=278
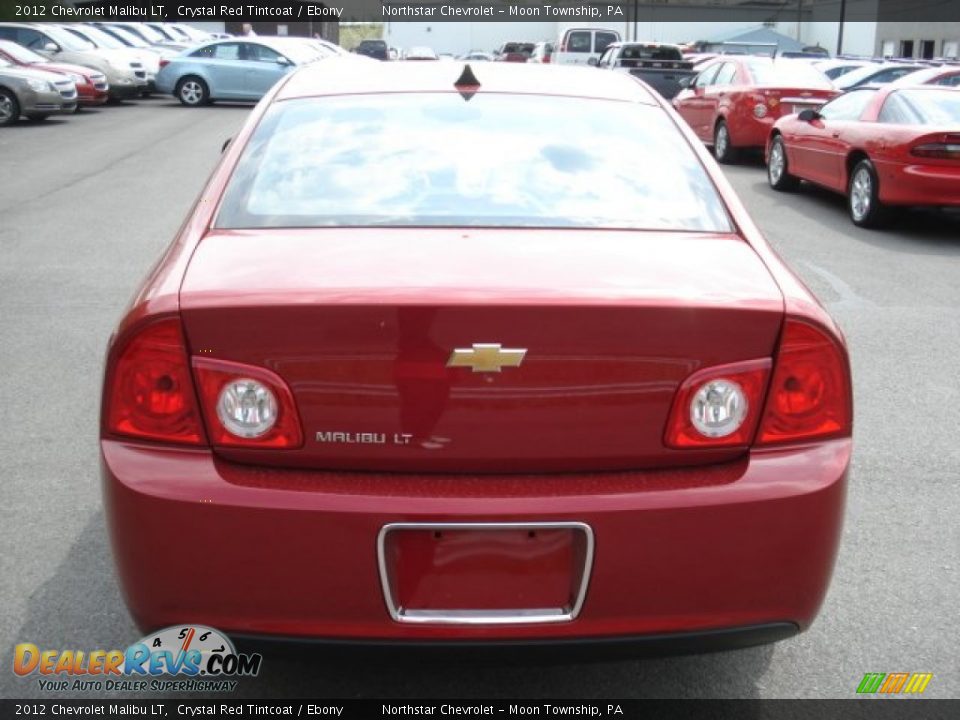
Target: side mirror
x=51 y=47
x=592 y=62
x=283 y=61
x=226 y=144
x=809 y=115
x=686 y=82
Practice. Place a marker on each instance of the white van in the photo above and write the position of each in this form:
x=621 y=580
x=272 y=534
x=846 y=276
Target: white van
x=578 y=44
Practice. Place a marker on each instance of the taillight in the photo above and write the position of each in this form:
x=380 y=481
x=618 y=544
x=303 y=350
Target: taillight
x=164 y=62
x=939 y=151
x=718 y=406
x=246 y=406
x=151 y=392
x=810 y=395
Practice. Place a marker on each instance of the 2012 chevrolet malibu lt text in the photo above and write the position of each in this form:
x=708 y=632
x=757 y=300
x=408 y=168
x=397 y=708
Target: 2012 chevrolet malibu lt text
x=472 y=355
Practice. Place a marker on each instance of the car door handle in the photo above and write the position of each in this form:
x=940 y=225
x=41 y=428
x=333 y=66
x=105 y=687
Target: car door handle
x=836 y=134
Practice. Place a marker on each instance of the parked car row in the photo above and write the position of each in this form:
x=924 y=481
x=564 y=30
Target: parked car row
x=123 y=71
x=883 y=145
x=575 y=46
x=51 y=68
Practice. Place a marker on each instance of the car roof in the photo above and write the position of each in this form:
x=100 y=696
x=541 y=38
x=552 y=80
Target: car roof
x=534 y=79
x=642 y=43
x=274 y=41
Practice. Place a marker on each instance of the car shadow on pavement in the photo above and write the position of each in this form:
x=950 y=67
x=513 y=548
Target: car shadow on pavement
x=80 y=607
x=173 y=103
x=915 y=231
x=24 y=124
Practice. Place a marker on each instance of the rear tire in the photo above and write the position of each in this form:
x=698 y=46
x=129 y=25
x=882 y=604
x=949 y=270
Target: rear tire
x=863 y=197
x=9 y=108
x=723 y=150
x=192 y=91
x=778 y=169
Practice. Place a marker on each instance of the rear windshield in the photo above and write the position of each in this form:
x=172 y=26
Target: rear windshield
x=650 y=52
x=518 y=48
x=922 y=107
x=786 y=73
x=500 y=160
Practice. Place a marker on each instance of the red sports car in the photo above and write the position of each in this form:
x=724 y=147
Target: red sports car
x=424 y=364
x=92 y=88
x=881 y=146
x=734 y=101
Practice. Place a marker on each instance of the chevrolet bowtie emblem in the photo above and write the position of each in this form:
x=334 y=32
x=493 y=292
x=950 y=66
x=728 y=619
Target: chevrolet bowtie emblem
x=486 y=357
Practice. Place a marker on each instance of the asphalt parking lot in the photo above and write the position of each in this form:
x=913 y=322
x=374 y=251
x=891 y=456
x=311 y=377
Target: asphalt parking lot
x=88 y=202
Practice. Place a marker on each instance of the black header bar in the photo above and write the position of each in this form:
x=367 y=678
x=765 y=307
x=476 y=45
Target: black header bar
x=435 y=11
x=170 y=707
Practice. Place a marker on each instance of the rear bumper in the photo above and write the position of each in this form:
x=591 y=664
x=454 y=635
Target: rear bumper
x=290 y=553
x=585 y=649
x=929 y=185
x=749 y=131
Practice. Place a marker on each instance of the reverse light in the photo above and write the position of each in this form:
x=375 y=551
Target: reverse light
x=149 y=389
x=246 y=406
x=810 y=395
x=718 y=406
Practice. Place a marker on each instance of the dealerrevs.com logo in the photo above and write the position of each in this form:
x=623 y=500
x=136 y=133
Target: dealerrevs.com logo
x=201 y=658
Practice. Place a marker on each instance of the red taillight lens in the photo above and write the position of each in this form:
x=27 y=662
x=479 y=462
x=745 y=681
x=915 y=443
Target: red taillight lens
x=810 y=394
x=164 y=62
x=214 y=377
x=151 y=394
x=749 y=379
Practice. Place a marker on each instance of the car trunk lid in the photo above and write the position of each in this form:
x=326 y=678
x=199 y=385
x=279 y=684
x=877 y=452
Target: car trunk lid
x=362 y=324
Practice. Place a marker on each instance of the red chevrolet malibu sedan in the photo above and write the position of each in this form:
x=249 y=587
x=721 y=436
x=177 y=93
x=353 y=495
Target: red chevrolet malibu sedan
x=881 y=146
x=92 y=88
x=734 y=101
x=424 y=364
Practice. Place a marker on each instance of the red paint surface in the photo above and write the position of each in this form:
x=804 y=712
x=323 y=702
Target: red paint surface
x=359 y=322
x=825 y=152
x=294 y=552
x=703 y=108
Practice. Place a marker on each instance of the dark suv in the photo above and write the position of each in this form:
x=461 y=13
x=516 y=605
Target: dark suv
x=376 y=49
